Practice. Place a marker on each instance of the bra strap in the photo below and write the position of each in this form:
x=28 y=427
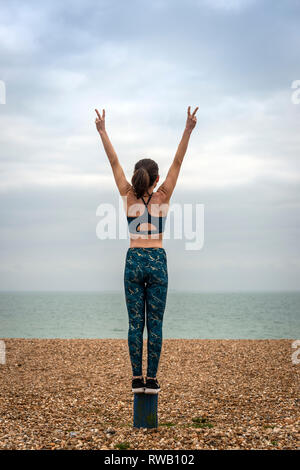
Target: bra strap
x=148 y=199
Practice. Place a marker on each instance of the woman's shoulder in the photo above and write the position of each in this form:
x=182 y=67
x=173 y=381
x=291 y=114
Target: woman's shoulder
x=162 y=202
x=162 y=196
x=128 y=192
x=158 y=197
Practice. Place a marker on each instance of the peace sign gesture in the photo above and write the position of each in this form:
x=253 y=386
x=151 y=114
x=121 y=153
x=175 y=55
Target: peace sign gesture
x=191 y=119
x=100 y=121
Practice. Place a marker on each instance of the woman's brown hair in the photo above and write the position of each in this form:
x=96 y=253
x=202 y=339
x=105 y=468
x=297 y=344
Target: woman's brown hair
x=145 y=173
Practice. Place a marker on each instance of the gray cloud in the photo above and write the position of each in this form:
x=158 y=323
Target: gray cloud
x=145 y=62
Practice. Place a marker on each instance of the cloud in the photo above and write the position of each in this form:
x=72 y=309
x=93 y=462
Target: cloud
x=227 y=5
x=236 y=60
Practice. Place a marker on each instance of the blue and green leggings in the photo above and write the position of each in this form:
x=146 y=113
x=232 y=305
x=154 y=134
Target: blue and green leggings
x=146 y=285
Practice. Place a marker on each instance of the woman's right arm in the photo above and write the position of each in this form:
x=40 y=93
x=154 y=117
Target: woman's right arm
x=167 y=187
x=123 y=185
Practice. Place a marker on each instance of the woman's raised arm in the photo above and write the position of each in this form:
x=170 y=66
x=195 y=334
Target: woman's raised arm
x=123 y=185
x=167 y=187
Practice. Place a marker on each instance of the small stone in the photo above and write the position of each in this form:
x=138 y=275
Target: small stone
x=110 y=431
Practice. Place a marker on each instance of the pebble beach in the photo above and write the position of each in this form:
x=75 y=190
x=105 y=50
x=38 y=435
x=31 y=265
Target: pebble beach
x=215 y=394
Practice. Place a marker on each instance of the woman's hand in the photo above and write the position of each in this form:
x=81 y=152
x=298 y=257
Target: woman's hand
x=191 y=119
x=100 y=121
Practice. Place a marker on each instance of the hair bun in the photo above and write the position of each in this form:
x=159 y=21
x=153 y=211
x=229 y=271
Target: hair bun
x=145 y=173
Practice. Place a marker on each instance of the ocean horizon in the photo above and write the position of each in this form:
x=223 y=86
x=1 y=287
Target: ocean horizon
x=188 y=314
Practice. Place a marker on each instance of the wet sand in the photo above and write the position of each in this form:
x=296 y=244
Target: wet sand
x=216 y=394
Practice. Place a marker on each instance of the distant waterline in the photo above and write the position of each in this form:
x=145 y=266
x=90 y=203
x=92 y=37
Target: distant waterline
x=246 y=315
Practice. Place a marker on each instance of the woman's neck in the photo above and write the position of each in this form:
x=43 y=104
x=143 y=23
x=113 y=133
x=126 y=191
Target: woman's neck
x=148 y=192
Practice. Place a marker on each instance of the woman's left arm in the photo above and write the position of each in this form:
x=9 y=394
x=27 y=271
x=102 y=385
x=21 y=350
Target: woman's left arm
x=123 y=185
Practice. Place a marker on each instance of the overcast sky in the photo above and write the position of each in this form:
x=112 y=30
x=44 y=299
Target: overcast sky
x=145 y=62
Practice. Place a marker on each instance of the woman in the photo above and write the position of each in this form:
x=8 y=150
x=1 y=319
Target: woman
x=146 y=274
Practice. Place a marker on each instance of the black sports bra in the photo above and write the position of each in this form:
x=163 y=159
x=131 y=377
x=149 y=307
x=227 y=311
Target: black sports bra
x=146 y=217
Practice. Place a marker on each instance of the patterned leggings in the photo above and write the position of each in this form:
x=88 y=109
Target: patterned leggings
x=146 y=285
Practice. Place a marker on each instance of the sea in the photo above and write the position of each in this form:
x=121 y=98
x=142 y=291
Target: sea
x=189 y=315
